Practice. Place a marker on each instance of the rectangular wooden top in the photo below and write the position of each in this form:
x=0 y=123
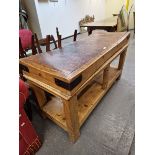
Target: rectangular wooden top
x=108 y=22
x=74 y=58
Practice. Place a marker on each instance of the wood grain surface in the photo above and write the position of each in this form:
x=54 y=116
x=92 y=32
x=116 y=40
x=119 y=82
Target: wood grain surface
x=72 y=59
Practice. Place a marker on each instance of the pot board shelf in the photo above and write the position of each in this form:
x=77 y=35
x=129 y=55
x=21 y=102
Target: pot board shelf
x=86 y=102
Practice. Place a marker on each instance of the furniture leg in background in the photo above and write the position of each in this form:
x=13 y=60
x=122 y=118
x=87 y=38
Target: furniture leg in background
x=105 y=77
x=40 y=96
x=121 y=62
x=89 y=29
x=59 y=41
x=75 y=35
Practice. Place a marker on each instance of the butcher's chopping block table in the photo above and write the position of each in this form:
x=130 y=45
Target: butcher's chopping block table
x=77 y=75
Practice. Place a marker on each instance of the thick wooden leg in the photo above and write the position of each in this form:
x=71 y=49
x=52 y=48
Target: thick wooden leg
x=121 y=62
x=41 y=97
x=48 y=43
x=71 y=115
x=105 y=77
x=59 y=41
x=28 y=109
x=89 y=29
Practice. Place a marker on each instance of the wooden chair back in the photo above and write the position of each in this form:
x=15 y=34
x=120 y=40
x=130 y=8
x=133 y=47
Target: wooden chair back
x=59 y=41
x=37 y=44
x=26 y=42
x=60 y=37
x=48 y=38
x=57 y=32
x=45 y=42
x=75 y=35
x=54 y=41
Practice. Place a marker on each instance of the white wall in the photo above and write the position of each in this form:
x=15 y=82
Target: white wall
x=65 y=14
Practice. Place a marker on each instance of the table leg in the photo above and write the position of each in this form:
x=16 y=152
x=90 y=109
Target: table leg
x=114 y=29
x=72 y=120
x=41 y=97
x=105 y=77
x=121 y=62
x=89 y=29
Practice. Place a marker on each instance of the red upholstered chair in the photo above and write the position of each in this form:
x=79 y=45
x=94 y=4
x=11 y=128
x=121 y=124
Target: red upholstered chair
x=26 y=42
x=29 y=141
x=25 y=36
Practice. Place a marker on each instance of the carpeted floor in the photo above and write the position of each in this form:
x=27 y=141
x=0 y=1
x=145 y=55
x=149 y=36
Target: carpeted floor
x=109 y=130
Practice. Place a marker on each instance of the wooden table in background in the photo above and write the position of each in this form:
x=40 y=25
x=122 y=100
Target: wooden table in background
x=77 y=75
x=108 y=24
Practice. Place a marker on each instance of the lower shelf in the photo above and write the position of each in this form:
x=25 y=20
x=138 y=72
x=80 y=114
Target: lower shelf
x=54 y=111
x=86 y=103
x=91 y=98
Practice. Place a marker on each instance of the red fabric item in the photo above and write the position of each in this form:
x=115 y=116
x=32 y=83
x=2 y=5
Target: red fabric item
x=26 y=38
x=23 y=93
x=23 y=146
x=29 y=141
